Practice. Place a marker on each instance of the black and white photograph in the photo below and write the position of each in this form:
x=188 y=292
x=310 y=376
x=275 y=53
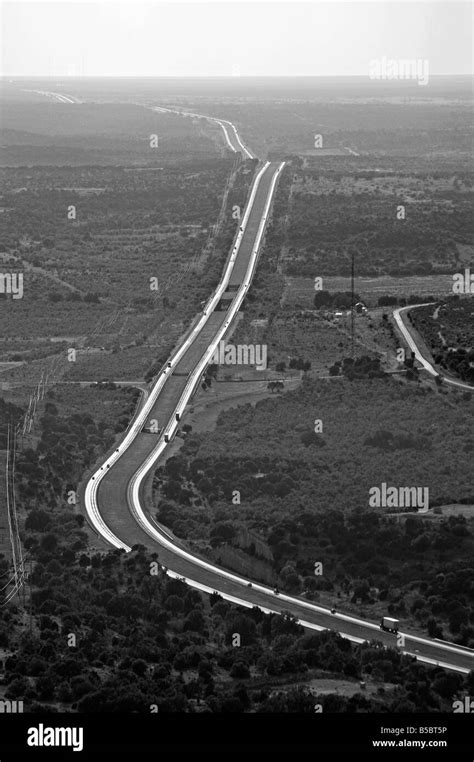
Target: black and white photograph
x=236 y=379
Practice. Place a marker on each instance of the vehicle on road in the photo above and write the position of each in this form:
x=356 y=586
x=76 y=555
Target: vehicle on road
x=388 y=624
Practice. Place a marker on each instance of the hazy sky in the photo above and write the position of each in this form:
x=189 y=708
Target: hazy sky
x=224 y=38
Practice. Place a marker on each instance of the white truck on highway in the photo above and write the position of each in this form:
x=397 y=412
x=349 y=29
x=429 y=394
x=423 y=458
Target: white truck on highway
x=388 y=624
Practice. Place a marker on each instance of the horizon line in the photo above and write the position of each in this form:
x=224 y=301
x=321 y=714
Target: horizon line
x=219 y=76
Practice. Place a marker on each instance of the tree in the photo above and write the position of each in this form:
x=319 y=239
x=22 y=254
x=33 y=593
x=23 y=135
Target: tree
x=322 y=298
x=224 y=531
x=387 y=301
x=38 y=521
x=434 y=630
x=232 y=704
x=311 y=438
x=49 y=542
x=45 y=686
x=241 y=624
x=239 y=670
x=194 y=621
x=17 y=688
x=69 y=667
x=139 y=666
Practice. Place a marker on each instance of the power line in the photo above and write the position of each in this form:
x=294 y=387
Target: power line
x=17 y=556
x=352 y=305
x=10 y=527
x=15 y=514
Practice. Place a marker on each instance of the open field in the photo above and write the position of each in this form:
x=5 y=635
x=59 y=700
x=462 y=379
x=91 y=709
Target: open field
x=300 y=291
x=121 y=283
x=47 y=133
x=396 y=224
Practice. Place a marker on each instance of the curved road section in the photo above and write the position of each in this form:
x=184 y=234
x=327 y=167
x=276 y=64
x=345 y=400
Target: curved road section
x=115 y=497
x=61 y=97
x=176 y=383
x=402 y=326
x=231 y=135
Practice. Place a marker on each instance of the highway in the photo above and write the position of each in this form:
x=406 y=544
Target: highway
x=403 y=327
x=56 y=96
x=231 y=135
x=116 y=499
x=175 y=385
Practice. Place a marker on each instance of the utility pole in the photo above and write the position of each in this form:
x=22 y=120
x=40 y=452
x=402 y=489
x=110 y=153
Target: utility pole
x=31 y=599
x=352 y=305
